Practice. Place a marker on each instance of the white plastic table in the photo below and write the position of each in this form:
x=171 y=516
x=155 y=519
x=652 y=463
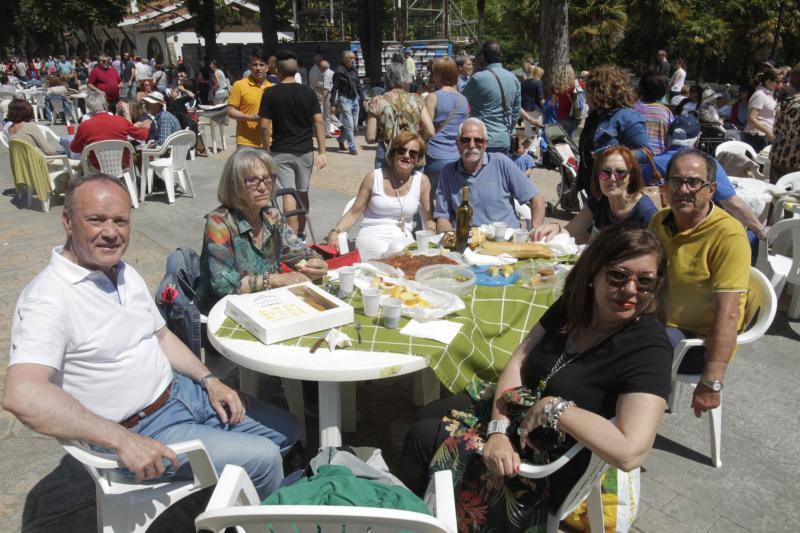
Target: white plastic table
x=330 y=369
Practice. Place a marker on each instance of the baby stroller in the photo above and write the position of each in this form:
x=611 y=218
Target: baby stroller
x=563 y=153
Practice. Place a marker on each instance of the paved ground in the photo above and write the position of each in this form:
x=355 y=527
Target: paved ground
x=756 y=489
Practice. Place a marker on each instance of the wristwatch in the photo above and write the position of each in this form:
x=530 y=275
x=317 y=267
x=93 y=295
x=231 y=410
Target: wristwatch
x=497 y=426
x=714 y=385
x=205 y=379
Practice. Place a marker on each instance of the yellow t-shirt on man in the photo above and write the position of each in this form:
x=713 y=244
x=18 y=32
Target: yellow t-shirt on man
x=246 y=97
x=712 y=257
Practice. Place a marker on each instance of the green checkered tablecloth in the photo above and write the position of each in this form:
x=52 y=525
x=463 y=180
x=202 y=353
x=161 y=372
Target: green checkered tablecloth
x=495 y=319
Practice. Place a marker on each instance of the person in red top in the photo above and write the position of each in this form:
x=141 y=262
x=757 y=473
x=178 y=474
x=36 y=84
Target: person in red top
x=104 y=126
x=106 y=79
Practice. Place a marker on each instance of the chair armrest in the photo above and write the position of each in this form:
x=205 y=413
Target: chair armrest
x=680 y=350
x=539 y=471
x=444 y=500
x=59 y=157
x=202 y=468
x=234 y=488
x=86 y=456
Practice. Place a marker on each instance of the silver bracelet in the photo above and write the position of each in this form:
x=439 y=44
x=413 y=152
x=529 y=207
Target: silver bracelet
x=560 y=405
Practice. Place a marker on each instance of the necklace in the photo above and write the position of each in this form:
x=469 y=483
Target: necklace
x=401 y=201
x=562 y=361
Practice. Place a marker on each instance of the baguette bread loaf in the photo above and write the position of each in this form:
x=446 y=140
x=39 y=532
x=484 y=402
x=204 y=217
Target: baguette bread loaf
x=520 y=250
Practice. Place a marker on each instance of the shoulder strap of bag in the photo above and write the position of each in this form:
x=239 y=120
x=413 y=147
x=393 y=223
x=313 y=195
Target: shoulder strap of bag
x=506 y=109
x=450 y=116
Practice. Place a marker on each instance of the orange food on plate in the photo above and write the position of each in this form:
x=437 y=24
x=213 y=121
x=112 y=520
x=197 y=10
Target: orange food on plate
x=409 y=264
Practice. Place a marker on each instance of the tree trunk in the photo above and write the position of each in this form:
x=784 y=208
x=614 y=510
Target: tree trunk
x=554 y=33
x=269 y=32
x=206 y=22
x=480 y=6
x=370 y=16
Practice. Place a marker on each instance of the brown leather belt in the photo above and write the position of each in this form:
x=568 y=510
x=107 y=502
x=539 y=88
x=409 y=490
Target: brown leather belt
x=149 y=410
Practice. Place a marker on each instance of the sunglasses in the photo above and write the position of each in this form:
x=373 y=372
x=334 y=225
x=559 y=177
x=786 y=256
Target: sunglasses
x=413 y=154
x=618 y=277
x=694 y=184
x=253 y=182
x=619 y=174
x=479 y=141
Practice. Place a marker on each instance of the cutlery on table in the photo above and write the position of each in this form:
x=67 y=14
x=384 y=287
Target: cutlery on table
x=358 y=331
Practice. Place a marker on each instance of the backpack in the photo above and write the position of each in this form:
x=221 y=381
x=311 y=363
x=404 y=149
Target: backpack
x=398 y=117
x=175 y=297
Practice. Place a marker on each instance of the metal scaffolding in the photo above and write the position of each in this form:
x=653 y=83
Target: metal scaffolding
x=336 y=20
x=433 y=19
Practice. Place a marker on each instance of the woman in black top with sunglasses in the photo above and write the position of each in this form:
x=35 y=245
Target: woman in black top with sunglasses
x=597 y=353
x=617 y=195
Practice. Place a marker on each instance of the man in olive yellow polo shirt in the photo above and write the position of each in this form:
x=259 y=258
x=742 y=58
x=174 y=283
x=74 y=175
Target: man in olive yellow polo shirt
x=245 y=99
x=708 y=269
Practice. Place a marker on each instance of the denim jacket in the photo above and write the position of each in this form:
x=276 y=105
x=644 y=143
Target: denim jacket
x=175 y=297
x=622 y=126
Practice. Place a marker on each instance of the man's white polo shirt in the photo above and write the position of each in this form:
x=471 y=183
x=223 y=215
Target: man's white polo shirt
x=100 y=339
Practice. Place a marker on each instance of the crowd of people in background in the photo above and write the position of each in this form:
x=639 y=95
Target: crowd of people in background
x=438 y=126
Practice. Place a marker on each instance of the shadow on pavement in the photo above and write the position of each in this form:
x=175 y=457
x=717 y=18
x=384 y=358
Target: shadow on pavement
x=667 y=445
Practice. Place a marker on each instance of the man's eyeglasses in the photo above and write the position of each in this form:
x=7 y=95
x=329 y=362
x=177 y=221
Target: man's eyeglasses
x=618 y=277
x=694 y=184
x=619 y=174
x=401 y=151
x=254 y=182
x=479 y=141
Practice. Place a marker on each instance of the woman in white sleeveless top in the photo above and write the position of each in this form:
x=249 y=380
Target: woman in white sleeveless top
x=388 y=199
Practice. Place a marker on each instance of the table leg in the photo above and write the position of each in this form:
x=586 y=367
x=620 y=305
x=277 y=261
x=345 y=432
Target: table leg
x=349 y=414
x=330 y=414
x=248 y=381
x=294 y=398
x=426 y=387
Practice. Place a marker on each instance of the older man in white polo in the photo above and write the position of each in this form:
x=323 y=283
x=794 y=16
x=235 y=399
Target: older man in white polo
x=91 y=359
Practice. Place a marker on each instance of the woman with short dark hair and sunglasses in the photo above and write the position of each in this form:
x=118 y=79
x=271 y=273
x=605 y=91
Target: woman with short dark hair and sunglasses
x=388 y=199
x=617 y=189
x=598 y=353
x=247 y=238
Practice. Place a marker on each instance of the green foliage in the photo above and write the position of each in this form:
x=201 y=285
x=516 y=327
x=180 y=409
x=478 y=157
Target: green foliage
x=60 y=15
x=721 y=41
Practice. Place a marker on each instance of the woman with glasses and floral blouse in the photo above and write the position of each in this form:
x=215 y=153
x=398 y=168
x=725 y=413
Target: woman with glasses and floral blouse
x=246 y=238
x=617 y=196
x=597 y=353
x=388 y=198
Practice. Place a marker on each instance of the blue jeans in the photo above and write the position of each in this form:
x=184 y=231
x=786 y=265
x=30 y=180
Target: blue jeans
x=380 y=154
x=128 y=91
x=433 y=169
x=255 y=444
x=349 y=116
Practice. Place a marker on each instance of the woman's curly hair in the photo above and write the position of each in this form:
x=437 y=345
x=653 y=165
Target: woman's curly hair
x=609 y=88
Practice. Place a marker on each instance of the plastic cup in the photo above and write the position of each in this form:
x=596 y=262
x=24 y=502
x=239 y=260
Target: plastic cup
x=346 y=278
x=423 y=239
x=500 y=231
x=391 y=312
x=371 y=298
x=520 y=235
x=70 y=129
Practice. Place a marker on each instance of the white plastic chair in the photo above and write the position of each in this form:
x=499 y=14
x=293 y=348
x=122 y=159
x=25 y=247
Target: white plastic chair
x=344 y=245
x=788 y=183
x=58 y=109
x=782 y=269
x=216 y=129
x=109 y=156
x=236 y=503
x=736 y=147
x=124 y=505
x=54 y=165
x=178 y=145
x=761 y=301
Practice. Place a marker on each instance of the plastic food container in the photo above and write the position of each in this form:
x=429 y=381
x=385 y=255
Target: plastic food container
x=454 y=279
x=541 y=274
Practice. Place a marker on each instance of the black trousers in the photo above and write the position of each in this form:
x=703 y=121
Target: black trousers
x=424 y=438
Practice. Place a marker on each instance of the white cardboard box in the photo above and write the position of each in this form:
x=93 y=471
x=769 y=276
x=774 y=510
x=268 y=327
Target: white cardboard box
x=287 y=312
